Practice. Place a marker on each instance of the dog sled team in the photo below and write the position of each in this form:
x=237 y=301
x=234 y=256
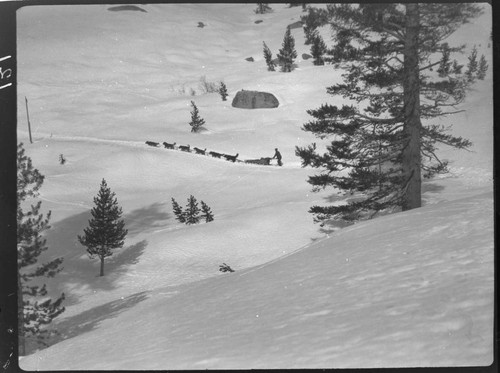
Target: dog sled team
x=232 y=158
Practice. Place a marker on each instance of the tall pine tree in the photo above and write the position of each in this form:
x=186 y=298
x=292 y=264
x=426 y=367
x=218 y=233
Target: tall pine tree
x=35 y=309
x=106 y=230
x=381 y=149
x=287 y=53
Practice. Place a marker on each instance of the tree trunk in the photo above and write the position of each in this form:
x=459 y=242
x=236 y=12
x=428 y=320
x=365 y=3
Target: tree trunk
x=102 y=266
x=411 y=160
x=20 y=316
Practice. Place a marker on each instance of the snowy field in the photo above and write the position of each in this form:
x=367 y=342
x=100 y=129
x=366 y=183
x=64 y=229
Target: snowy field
x=411 y=289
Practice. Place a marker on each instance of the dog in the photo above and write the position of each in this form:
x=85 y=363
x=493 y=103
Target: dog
x=169 y=146
x=185 y=148
x=200 y=151
x=215 y=154
x=231 y=158
x=152 y=143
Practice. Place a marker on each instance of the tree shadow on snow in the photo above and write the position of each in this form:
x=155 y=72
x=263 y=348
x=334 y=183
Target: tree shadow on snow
x=119 y=262
x=430 y=188
x=335 y=197
x=88 y=320
x=80 y=273
x=146 y=218
x=330 y=226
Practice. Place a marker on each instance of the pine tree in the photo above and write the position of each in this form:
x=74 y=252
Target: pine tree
x=445 y=63
x=287 y=53
x=268 y=56
x=309 y=33
x=318 y=49
x=179 y=214
x=207 y=212
x=472 y=65
x=483 y=67
x=192 y=211
x=382 y=149
x=315 y=17
x=196 y=121
x=106 y=231
x=35 y=309
x=263 y=8
x=223 y=91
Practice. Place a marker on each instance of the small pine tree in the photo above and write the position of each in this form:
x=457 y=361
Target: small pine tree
x=62 y=160
x=179 y=214
x=457 y=69
x=287 y=53
x=207 y=212
x=223 y=91
x=483 y=67
x=192 y=211
x=472 y=65
x=445 y=64
x=268 y=56
x=315 y=17
x=263 y=8
x=32 y=314
x=318 y=49
x=309 y=32
x=106 y=231
x=196 y=121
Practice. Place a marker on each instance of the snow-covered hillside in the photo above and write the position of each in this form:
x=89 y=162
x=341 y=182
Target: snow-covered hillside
x=412 y=289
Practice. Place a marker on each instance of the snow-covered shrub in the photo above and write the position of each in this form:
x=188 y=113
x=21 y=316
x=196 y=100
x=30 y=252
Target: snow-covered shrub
x=225 y=268
x=208 y=87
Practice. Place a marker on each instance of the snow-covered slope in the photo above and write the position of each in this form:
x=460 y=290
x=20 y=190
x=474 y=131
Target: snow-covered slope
x=409 y=289
x=412 y=289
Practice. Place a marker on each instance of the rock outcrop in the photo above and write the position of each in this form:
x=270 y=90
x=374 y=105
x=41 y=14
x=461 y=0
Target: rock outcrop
x=254 y=100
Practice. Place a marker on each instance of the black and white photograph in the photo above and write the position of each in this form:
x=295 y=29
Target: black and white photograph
x=215 y=186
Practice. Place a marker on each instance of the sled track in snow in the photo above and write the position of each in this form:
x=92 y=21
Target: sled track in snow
x=263 y=161
x=93 y=140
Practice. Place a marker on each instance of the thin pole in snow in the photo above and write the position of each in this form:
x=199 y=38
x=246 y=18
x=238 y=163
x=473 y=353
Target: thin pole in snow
x=28 y=114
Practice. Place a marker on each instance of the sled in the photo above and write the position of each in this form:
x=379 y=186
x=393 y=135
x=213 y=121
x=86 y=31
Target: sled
x=266 y=161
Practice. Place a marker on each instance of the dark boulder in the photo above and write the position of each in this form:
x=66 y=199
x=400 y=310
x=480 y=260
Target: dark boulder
x=249 y=59
x=306 y=56
x=254 y=100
